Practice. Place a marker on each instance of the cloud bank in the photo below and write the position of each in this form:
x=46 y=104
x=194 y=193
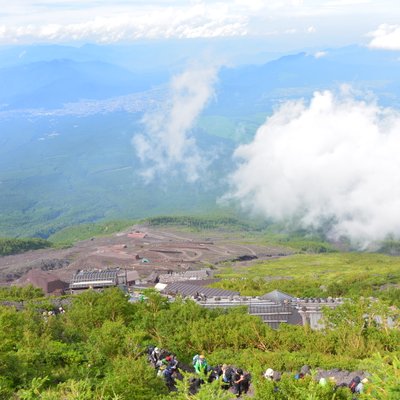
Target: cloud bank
x=386 y=37
x=335 y=159
x=167 y=147
x=123 y=23
x=102 y=21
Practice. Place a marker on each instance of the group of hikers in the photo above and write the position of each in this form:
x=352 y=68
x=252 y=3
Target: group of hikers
x=356 y=385
x=235 y=379
x=230 y=376
x=169 y=367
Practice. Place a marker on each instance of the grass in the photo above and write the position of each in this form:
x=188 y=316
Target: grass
x=318 y=275
x=75 y=233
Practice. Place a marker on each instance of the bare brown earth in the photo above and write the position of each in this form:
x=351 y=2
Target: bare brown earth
x=164 y=248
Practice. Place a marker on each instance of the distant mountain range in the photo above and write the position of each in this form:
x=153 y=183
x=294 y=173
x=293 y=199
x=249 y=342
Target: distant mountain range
x=254 y=87
x=45 y=82
x=50 y=84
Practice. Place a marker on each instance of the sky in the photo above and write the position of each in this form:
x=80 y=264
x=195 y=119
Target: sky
x=287 y=23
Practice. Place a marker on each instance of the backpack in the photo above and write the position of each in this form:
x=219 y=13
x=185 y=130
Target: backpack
x=229 y=374
x=247 y=376
x=150 y=349
x=353 y=384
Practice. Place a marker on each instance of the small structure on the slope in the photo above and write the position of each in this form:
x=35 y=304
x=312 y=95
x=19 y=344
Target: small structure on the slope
x=49 y=282
x=137 y=235
x=275 y=314
x=310 y=310
x=185 y=276
x=273 y=308
x=98 y=280
x=153 y=277
x=132 y=277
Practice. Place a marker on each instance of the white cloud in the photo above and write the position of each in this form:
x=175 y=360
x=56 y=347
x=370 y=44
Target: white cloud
x=320 y=54
x=167 y=146
x=386 y=37
x=123 y=23
x=336 y=157
x=311 y=29
x=25 y=21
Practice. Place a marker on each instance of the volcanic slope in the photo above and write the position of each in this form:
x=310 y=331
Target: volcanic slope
x=141 y=248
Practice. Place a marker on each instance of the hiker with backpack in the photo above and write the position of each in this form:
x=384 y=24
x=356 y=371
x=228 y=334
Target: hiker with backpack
x=354 y=383
x=226 y=376
x=200 y=365
x=154 y=355
x=241 y=382
x=168 y=377
x=304 y=371
x=172 y=362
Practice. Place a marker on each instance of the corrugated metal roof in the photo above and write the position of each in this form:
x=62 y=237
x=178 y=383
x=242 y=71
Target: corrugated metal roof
x=187 y=289
x=277 y=296
x=269 y=309
x=95 y=276
x=202 y=282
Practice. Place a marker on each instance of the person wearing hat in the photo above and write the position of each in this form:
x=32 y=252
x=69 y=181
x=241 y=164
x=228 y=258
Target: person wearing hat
x=154 y=355
x=172 y=362
x=201 y=365
x=269 y=374
x=323 y=381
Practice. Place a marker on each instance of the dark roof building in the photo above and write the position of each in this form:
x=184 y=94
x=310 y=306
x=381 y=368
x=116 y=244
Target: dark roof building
x=49 y=282
x=270 y=312
x=132 y=277
x=97 y=279
x=273 y=308
x=187 y=289
x=276 y=314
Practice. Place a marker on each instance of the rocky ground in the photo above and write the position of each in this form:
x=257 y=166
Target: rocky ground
x=143 y=249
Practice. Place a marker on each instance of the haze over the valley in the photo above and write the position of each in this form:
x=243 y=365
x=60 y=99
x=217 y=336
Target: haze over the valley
x=286 y=110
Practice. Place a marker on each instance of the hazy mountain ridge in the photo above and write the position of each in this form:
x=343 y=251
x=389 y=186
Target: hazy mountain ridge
x=50 y=84
x=298 y=75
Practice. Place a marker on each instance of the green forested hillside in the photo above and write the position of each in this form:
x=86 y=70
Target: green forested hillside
x=96 y=349
x=14 y=246
x=211 y=222
x=89 y=171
